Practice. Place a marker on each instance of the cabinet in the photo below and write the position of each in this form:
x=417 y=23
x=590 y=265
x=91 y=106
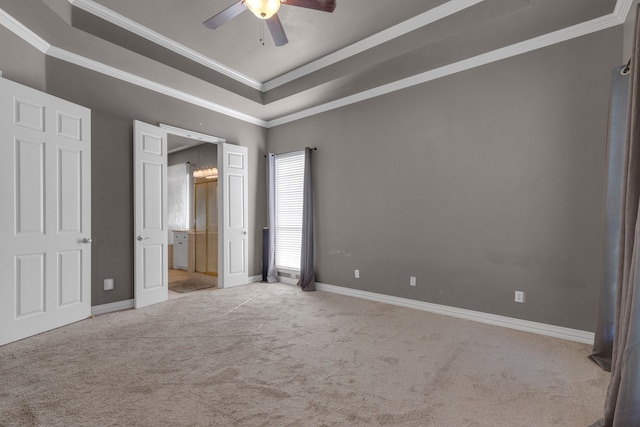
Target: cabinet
x=180 y=250
x=206 y=227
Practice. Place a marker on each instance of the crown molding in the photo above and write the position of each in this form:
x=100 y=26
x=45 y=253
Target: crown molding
x=426 y=18
x=110 y=16
x=618 y=17
x=43 y=46
x=622 y=9
x=535 y=43
x=16 y=27
x=148 y=84
x=445 y=10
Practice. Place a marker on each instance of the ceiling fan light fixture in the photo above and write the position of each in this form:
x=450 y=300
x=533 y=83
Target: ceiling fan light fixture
x=263 y=9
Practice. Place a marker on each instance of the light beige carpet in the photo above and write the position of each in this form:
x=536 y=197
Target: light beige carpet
x=271 y=355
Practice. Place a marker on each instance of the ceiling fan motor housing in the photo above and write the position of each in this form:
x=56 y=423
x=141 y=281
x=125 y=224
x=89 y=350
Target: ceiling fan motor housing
x=267 y=10
x=263 y=9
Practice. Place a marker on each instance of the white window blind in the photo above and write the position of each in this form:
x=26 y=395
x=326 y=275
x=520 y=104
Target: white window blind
x=288 y=195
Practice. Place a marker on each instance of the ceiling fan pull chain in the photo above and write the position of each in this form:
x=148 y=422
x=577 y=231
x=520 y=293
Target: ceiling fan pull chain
x=262 y=31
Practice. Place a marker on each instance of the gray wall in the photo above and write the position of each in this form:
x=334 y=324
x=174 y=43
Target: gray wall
x=115 y=104
x=20 y=62
x=479 y=184
x=628 y=31
x=203 y=155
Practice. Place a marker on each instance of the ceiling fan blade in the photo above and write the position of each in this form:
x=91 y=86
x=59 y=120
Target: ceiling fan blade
x=277 y=31
x=226 y=15
x=323 y=5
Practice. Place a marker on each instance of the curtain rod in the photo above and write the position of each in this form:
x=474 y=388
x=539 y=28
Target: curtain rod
x=310 y=148
x=626 y=69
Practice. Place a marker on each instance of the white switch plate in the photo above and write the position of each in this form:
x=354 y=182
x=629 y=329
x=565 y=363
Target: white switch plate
x=412 y=281
x=108 y=284
x=357 y=274
x=520 y=296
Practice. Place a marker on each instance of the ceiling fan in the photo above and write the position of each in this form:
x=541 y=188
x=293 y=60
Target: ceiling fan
x=267 y=10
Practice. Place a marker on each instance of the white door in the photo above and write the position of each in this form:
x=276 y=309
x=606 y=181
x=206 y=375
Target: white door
x=150 y=211
x=234 y=183
x=45 y=214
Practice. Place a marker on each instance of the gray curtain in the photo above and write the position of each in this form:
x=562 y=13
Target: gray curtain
x=307 y=268
x=603 y=344
x=622 y=406
x=272 y=272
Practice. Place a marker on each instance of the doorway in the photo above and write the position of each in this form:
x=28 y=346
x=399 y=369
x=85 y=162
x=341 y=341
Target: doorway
x=150 y=211
x=193 y=214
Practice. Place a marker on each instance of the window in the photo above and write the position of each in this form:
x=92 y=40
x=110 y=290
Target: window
x=289 y=173
x=178 y=198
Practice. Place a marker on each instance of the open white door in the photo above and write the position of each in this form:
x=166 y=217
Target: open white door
x=232 y=176
x=150 y=211
x=45 y=218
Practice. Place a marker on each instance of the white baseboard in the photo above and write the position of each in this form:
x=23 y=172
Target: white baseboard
x=111 y=307
x=461 y=313
x=128 y=304
x=476 y=316
x=287 y=280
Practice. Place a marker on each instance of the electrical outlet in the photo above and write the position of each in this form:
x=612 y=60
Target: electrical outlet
x=108 y=284
x=412 y=281
x=357 y=274
x=520 y=296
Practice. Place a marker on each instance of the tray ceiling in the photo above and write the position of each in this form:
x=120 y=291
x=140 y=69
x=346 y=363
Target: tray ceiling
x=364 y=49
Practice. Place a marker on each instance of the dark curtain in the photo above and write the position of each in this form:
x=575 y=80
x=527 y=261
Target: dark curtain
x=307 y=268
x=272 y=272
x=622 y=406
x=603 y=344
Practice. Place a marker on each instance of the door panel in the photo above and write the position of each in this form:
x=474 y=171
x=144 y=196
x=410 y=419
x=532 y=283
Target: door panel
x=236 y=260
x=30 y=189
x=28 y=114
x=234 y=235
x=69 y=126
x=152 y=258
x=150 y=210
x=235 y=187
x=70 y=196
x=30 y=284
x=46 y=175
x=70 y=277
